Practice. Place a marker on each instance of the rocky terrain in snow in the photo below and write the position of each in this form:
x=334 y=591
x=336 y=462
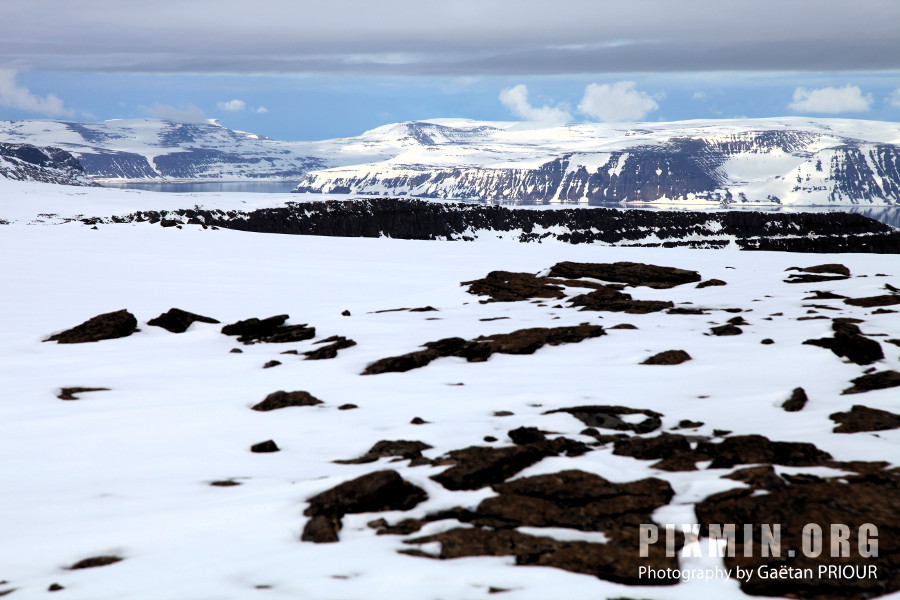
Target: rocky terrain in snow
x=426 y=220
x=24 y=162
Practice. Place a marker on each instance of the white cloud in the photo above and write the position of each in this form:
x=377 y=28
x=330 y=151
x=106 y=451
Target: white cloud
x=618 y=101
x=699 y=96
x=14 y=95
x=894 y=98
x=233 y=105
x=831 y=100
x=186 y=114
x=262 y=109
x=516 y=100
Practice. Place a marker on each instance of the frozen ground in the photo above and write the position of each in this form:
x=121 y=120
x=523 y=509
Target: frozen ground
x=127 y=471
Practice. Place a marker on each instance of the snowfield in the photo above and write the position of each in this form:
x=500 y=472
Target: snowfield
x=126 y=472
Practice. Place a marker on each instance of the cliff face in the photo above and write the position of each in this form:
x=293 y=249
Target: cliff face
x=423 y=220
x=24 y=162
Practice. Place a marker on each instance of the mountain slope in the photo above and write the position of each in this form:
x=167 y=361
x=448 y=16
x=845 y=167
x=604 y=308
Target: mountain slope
x=769 y=161
x=24 y=162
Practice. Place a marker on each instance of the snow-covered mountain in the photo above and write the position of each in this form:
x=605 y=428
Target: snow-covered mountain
x=151 y=149
x=768 y=161
x=24 y=162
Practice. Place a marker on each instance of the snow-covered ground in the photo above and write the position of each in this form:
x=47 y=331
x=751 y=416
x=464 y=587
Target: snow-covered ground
x=127 y=471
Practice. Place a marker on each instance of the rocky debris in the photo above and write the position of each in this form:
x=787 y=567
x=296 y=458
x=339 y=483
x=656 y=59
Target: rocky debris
x=404 y=449
x=373 y=492
x=862 y=418
x=347 y=406
x=526 y=435
x=178 y=321
x=853 y=501
x=345 y=313
x=883 y=311
x=271 y=363
x=819 y=295
x=478 y=466
x=834 y=272
x=236 y=351
x=797 y=400
x=758 y=478
x=727 y=329
x=334 y=343
x=834 y=268
x=895 y=342
x=69 y=393
x=225 y=483
x=629 y=273
x=685 y=310
x=55 y=587
x=609 y=417
x=570 y=499
x=668 y=357
x=874 y=381
x=522 y=341
x=282 y=399
x=505 y=286
x=420 y=309
x=675 y=453
x=612 y=300
x=767 y=341
x=271 y=330
x=623 y=326
x=849 y=342
x=95 y=561
x=711 y=283
x=107 y=326
x=688 y=424
x=265 y=447
x=874 y=301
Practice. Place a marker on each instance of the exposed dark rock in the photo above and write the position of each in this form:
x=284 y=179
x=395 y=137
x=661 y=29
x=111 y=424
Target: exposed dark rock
x=684 y=310
x=55 y=587
x=526 y=435
x=282 y=399
x=107 y=326
x=522 y=341
x=652 y=448
x=373 y=492
x=711 y=283
x=630 y=273
x=749 y=449
x=95 y=561
x=271 y=363
x=400 y=448
x=236 y=351
x=767 y=341
x=849 y=342
x=347 y=407
x=623 y=326
x=686 y=424
x=322 y=529
x=418 y=421
x=728 y=329
x=504 y=286
x=331 y=350
x=883 y=311
x=345 y=313
x=178 y=321
x=758 y=478
x=853 y=501
x=873 y=301
x=478 y=466
x=225 y=483
x=793 y=278
x=668 y=357
x=818 y=295
x=607 y=417
x=862 y=418
x=270 y=330
x=265 y=447
x=827 y=268
x=613 y=300
x=797 y=400
x=69 y=393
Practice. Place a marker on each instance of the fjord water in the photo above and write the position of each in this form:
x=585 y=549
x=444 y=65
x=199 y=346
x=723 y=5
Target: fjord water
x=885 y=214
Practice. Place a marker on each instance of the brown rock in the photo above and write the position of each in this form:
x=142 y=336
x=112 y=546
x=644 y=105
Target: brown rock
x=750 y=449
x=728 y=329
x=607 y=417
x=265 y=447
x=873 y=301
x=69 y=393
x=612 y=300
x=178 y=321
x=107 y=326
x=321 y=529
x=95 y=561
x=384 y=448
x=282 y=399
x=710 y=283
x=270 y=330
x=874 y=381
x=668 y=357
x=863 y=418
x=797 y=400
x=634 y=274
x=373 y=492
x=331 y=350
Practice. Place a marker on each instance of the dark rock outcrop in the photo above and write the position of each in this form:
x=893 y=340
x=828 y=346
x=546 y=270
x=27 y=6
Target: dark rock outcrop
x=281 y=399
x=668 y=357
x=849 y=342
x=629 y=273
x=862 y=418
x=880 y=380
x=609 y=417
x=178 y=321
x=271 y=330
x=107 y=326
x=330 y=350
x=797 y=400
x=69 y=393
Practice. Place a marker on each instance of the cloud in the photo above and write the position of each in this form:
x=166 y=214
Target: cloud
x=699 y=96
x=185 y=114
x=894 y=99
x=516 y=100
x=831 y=100
x=262 y=110
x=618 y=101
x=459 y=38
x=232 y=105
x=15 y=95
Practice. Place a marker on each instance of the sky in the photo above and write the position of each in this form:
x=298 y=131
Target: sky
x=313 y=69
